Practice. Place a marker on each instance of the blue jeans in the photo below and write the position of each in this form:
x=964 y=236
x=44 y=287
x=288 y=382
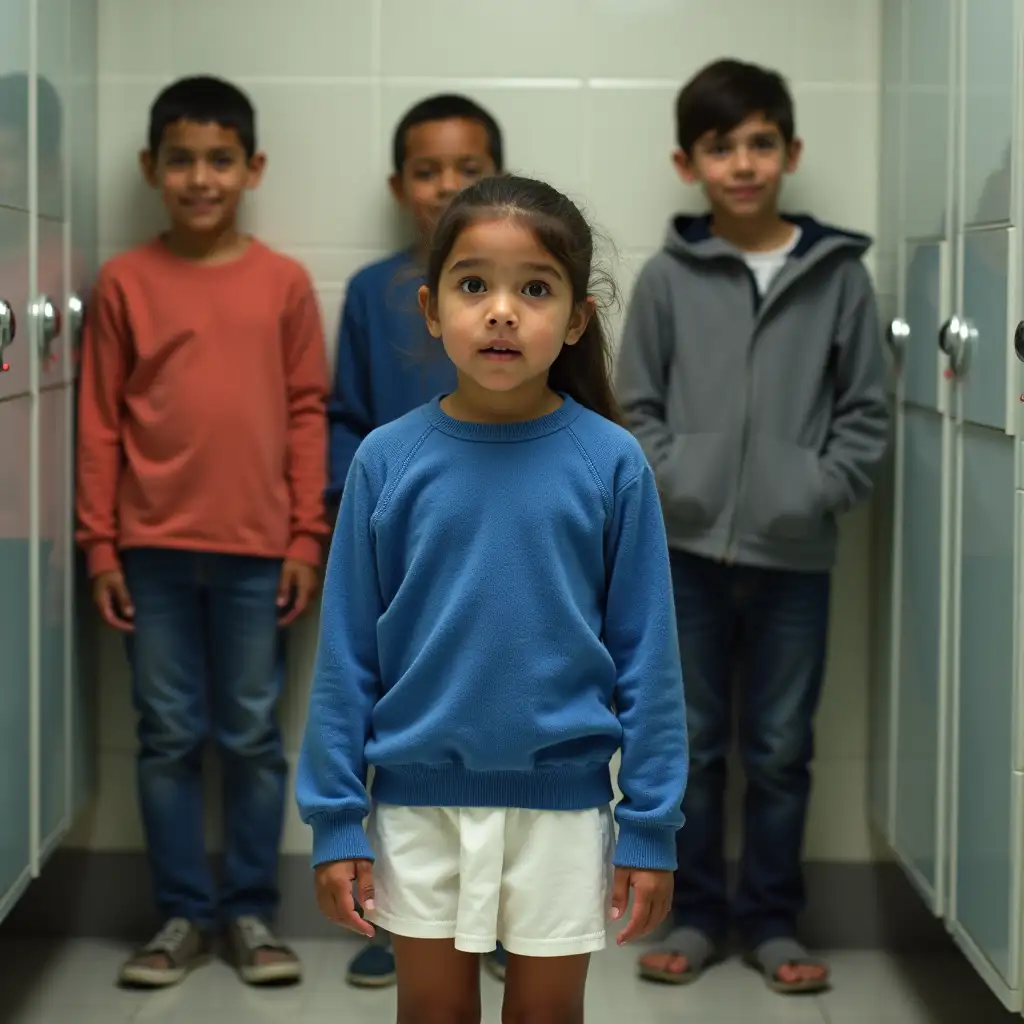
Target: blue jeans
x=766 y=629
x=207 y=662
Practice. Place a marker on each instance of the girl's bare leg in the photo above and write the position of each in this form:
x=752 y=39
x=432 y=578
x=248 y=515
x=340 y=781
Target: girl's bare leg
x=437 y=983
x=545 y=990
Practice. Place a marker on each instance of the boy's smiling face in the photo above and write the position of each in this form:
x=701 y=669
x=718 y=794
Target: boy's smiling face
x=741 y=171
x=441 y=158
x=201 y=171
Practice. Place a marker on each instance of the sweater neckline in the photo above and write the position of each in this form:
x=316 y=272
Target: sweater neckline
x=524 y=430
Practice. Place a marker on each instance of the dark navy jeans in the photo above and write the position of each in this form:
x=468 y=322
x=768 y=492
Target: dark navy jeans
x=767 y=629
x=207 y=662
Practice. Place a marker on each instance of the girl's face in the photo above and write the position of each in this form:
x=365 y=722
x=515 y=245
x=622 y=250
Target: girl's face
x=504 y=307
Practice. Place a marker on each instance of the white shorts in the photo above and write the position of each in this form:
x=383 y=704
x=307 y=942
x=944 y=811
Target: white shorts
x=539 y=882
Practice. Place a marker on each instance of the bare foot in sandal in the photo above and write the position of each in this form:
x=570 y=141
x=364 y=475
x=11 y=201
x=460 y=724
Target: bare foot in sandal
x=793 y=974
x=787 y=967
x=663 y=963
x=688 y=952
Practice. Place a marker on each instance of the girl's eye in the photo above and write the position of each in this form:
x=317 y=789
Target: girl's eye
x=472 y=285
x=537 y=290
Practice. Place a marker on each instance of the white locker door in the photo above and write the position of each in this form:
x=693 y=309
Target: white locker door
x=921 y=583
x=53 y=334
x=16 y=427
x=985 y=909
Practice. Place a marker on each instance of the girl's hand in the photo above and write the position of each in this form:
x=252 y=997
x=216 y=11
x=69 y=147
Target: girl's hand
x=334 y=893
x=652 y=900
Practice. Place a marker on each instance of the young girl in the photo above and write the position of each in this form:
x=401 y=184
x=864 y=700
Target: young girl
x=497 y=621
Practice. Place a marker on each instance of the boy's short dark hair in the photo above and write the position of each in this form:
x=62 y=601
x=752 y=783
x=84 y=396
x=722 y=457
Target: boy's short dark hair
x=727 y=92
x=49 y=111
x=204 y=100
x=447 y=107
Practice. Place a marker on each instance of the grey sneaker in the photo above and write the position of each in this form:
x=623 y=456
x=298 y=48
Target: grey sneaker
x=179 y=947
x=258 y=955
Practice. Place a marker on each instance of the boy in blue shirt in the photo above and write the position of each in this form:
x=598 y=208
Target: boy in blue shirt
x=386 y=363
x=751 y=372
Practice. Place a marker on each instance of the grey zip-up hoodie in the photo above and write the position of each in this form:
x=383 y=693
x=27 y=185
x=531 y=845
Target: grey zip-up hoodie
x=763 y=418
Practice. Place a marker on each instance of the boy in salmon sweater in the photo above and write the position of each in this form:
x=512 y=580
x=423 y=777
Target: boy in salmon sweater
x=201 y=472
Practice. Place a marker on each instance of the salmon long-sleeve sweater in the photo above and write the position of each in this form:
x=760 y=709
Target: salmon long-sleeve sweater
x=202 y=408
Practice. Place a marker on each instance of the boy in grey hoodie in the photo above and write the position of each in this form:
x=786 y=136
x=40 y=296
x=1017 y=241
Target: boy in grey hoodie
x=751 y=372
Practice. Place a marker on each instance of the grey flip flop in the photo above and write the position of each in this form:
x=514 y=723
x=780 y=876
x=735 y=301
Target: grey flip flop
x=774 y=954
x=698 y=949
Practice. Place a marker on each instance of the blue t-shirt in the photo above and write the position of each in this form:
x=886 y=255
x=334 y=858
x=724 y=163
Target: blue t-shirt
x=386 y=363
x=497 y=621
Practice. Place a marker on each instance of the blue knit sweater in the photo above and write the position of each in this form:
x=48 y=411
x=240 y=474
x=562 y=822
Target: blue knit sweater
x=497 y=621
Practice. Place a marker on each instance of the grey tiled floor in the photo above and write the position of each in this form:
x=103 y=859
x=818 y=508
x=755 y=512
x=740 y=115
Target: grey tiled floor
x=71 y=983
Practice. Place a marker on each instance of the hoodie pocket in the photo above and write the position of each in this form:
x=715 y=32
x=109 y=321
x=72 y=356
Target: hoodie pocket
x=693 y=480
x=783 y=491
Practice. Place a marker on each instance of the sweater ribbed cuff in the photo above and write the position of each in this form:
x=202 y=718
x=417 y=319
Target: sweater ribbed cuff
x=339 y=835
x=102 y=557
x=306 y=549
x=645 y=847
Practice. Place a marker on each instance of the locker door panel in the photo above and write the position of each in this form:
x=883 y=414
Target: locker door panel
x=989 y=39
x=55 y=578
x=81 y=183
x=881 y=746
x=52 y=53
x=918 y=717
x=15 y=753
x=927 y=273
x=985 y=691
x=15 y=651
x=14 y=194
x=14 y=51
x=988 y=349
x=928 y=129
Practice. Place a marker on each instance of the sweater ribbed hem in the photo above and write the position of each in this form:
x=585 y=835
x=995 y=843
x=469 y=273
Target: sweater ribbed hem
x=339 y=836
x=646 y=847
x=563 y=788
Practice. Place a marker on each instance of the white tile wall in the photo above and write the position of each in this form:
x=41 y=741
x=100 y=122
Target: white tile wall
x=584 y=90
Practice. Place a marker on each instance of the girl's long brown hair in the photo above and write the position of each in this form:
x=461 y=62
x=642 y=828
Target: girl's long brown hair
x=582 y=370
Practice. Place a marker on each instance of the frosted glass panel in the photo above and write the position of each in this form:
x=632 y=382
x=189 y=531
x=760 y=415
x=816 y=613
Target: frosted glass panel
x=989 y=110
x=924 y=317
x=929 y=24
x=917 y=772
x=929 y=85
x=927 y=163
x=55 y=574
x=14 y=104
x=986 y=295
x=53 y=53
x=985 y=757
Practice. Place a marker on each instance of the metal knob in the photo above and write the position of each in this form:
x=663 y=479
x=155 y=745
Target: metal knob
x=8 y=331
x=946 y=333
x=50 y=324
x=956 y=339
x=897 y=334
x=76 y=322
x=76 y=315
x=1018 y=341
